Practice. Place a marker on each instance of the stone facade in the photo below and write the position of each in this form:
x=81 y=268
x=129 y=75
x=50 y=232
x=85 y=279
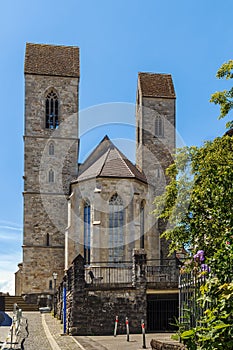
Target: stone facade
x=45 y=203
x=92 y=306
x=133 y=193
x=155 y=143
x=57 y=191
x=92 y=309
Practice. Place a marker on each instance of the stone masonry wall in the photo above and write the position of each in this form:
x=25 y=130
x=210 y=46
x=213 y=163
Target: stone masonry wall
x=91 y=309
x=39 y=265
x=154 y=154
x=45 y=202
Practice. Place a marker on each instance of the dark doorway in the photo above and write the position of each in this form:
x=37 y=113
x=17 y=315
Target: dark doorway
x=162 y=310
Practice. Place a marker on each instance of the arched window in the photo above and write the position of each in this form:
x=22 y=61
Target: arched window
x=116 y=232
x=47 y=240
x=142 y=225
x=51 y=149
x=138 y=134
x=159 y=126
x=51 y=176
x=50 y=284
x=87 y=233
x=51 y=110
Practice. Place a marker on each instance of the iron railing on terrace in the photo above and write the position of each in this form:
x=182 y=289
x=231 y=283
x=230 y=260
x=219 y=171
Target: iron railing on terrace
x=109 y=273
x=121 y=272
x=189 y=292
x=168 y=272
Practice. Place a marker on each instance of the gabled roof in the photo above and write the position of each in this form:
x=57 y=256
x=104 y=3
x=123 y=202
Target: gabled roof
x=156 y=85
x=107 y=161
x=52 y=60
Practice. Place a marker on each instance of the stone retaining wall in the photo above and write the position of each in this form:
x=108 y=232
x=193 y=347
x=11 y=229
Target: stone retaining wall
x=91 y=309
x=159 y=345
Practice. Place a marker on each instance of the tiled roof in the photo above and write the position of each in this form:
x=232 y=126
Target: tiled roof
x=109 y=163
x=52 y=60
x=156 y=85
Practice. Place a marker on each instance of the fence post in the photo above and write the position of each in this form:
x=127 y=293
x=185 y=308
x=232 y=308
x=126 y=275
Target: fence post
x=116 y=324
x=143 y=335
x=127 y=327
x=64 y=307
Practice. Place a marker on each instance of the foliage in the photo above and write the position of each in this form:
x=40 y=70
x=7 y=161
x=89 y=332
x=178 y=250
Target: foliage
x=198 y=209
x=197 y=203
x=224 y=98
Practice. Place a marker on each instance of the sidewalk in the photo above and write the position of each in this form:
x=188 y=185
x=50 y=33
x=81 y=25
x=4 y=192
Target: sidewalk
x=120 y=342
x=101 y=342
x=45 y=332
x=4 y=331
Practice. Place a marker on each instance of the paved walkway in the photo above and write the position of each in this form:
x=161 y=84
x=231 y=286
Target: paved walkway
x=45 y=333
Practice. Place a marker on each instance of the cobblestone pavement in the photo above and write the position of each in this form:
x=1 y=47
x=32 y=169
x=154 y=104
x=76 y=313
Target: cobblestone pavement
x=45 y=333
x=37 y=338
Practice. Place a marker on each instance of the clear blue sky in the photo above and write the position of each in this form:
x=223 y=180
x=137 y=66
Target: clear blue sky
x=117 y=39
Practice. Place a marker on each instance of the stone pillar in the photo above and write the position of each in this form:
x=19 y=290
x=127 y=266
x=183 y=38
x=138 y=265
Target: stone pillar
x=139 y=268
x=76 y=318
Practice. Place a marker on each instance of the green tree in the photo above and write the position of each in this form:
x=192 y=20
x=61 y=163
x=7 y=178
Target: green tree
x=224 y=98
x=198 y=209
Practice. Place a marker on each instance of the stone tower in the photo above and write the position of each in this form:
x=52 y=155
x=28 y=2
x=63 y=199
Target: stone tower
x=155 y=138
x=50 y=161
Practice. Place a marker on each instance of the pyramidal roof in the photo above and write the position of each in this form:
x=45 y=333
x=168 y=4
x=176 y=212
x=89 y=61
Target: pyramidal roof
x=108 y=161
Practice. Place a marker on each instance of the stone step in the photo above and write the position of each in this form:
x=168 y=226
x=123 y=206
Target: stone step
x=11 y=300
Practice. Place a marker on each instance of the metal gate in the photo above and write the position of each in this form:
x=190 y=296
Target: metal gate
x=162 y=311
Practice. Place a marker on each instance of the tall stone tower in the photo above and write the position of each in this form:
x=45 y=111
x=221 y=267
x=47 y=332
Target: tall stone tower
x=155 y=139
x=50 y=161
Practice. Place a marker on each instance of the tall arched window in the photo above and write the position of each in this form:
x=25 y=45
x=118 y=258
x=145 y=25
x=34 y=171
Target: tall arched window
x=51 y=149
x=47 y=240
x=50 y=284
x=51 y=176
x=51 y=110
x=138 y=134
x=159 y=126
x=116 y=232
x=142 y=225
x=87 y=233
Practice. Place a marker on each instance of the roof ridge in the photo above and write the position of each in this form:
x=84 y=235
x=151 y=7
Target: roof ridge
x=123 y=160
x=107 y=153
x=89 y=157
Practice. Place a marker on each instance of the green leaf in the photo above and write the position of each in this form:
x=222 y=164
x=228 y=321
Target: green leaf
x=188 y=334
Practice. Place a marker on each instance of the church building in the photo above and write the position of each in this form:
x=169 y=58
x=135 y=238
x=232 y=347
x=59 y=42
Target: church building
x=101 y=210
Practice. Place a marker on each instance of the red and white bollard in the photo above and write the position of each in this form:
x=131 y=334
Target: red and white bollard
x=115 y=328
x=127 y=327
x=143 y=334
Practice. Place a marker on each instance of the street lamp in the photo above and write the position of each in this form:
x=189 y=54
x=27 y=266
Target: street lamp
x=54 y=293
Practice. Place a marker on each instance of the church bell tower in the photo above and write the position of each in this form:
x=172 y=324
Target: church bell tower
x=155 y=142
x=50 y=161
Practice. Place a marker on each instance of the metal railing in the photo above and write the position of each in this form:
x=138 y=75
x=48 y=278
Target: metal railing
x=122 y=272
x=161 y=273
x=18 y=332
x=189 y=292
x=109 y=273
